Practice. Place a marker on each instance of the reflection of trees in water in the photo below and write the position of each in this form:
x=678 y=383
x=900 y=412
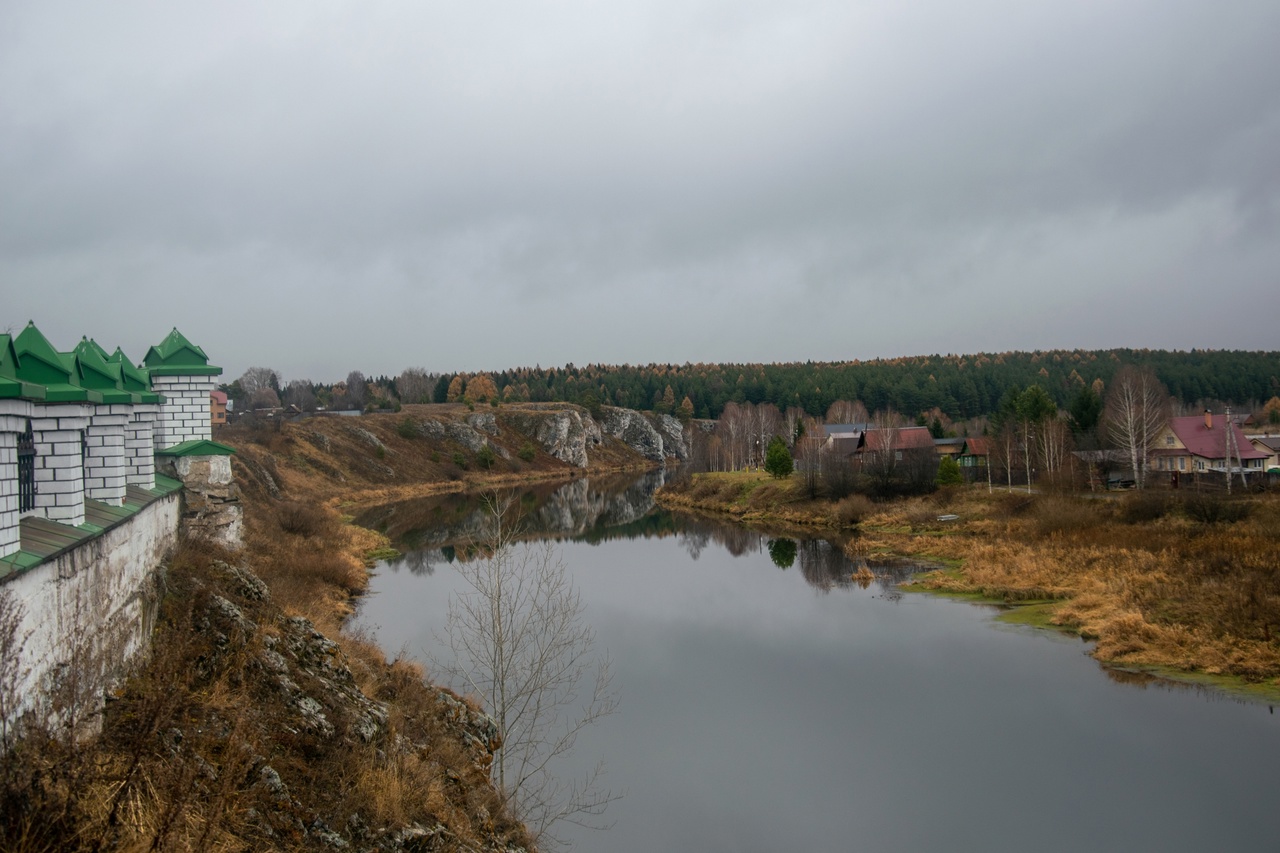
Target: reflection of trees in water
x=782 y=552
x=444 y=528
x=694 y=541
x=823 y=565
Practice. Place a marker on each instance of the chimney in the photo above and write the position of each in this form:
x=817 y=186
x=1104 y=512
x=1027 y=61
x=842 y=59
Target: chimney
x=1208 y=419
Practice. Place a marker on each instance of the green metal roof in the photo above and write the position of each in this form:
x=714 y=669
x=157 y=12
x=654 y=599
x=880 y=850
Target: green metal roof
x=10 y=385
x=197 y=447
x=177 y=356
x=97 y=347
x=92 y=370
x=43 y=540
x=40 y=363
x=134 y=379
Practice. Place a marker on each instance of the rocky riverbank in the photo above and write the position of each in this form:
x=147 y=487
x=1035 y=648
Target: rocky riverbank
x=257 y=724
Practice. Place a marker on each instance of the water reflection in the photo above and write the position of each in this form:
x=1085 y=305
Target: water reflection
x=572 y=509
x=764 y=714
x=438 y=530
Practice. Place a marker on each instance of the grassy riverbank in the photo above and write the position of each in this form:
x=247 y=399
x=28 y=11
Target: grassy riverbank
x=1187 y=586
x=257 y=723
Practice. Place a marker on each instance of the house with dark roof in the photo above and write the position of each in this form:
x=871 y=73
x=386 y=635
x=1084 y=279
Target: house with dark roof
x=1195 y=444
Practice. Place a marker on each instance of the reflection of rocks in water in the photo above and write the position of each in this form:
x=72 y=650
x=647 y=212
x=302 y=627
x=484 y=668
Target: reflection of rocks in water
x=561 y=510
x=428 y=529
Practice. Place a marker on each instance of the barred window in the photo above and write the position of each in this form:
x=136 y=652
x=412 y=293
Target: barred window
x=27 y=470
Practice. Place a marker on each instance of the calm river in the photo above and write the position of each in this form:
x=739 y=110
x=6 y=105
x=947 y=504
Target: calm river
x=768 y=703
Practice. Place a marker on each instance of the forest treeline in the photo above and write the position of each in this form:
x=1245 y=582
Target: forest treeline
x=958 y=386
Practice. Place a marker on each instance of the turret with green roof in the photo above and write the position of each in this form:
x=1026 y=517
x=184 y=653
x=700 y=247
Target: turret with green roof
x=59 y=424
x=180 y=371
x=94 y=371
x=40 y=363
x=132 y=378
x=177 y=356
x=105 y=461
x=11 y=387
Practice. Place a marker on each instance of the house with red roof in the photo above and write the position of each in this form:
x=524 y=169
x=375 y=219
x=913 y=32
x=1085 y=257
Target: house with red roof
x=1197 y=444
x=217 y=407
x=975 y=452
x=898 y=440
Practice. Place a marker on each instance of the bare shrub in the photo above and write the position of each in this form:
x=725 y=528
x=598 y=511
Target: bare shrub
x=301 y=519
x=853 y=510
x=1143 y=506
x=1212 y=509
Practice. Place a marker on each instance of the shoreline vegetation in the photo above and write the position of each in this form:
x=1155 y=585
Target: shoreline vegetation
x=1185 y=587
x=257 y=722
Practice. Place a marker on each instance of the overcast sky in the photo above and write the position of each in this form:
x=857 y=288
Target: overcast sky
x=327 y=186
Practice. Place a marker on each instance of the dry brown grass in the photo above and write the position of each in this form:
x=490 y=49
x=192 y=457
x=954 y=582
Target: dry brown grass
x=1164 y=593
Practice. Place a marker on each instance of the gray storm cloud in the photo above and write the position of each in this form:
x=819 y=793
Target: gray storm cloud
x=330 y=186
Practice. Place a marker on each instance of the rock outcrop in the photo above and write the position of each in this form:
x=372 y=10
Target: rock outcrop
x=567 y=434
x=288 y=699
x=655 y=437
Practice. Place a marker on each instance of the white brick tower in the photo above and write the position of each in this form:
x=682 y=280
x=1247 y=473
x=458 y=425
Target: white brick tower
x=181 y=372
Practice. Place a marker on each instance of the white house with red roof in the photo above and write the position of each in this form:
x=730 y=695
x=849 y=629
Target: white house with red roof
x=1196 y=444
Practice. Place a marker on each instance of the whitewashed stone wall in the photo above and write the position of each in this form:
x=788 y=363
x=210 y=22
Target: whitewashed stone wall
x=139 y=446
x=93 y=607
x=104 y=470
x=59 y=473
x=184 y=415
x=210 y=499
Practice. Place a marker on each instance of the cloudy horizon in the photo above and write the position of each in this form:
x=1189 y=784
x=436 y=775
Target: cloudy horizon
x=324 y=187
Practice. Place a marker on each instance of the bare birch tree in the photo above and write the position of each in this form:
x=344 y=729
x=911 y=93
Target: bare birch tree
x=847 y=412
x=792 y=420
x=1137 y=409
x=1055 y=447
x=520 y=642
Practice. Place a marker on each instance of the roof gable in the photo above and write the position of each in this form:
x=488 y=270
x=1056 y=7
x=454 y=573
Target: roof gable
x=40 y=363
x=1211 y=442
x=177 y=356
x=903 y=438
x=93 y=371
x=10 y=385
